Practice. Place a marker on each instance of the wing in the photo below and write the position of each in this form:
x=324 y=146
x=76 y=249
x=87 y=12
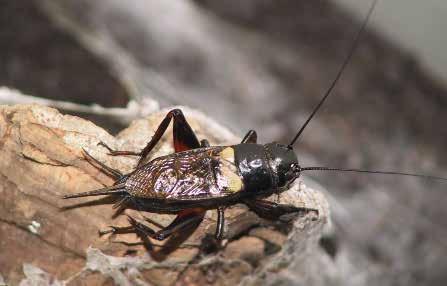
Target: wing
x=191 y=175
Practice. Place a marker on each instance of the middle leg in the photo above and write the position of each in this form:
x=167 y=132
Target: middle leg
x=272 y=210
x=220 y=224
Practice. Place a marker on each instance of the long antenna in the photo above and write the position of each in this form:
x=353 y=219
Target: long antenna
x=372 y=172
x=340 y=72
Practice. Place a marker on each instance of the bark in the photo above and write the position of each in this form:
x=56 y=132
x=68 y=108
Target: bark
x=49 y=240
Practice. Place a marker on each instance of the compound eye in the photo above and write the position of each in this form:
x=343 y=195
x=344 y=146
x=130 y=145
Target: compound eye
x=293 y=172
x=295 y=168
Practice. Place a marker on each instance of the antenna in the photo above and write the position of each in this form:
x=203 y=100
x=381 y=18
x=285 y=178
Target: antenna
x=339 y=73
x=372 y=172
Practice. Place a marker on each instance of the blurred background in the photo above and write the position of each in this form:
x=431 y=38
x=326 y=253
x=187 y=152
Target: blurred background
x=416 y=25
x=264 y=65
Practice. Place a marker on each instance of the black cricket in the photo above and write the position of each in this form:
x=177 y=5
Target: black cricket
x=199 y=177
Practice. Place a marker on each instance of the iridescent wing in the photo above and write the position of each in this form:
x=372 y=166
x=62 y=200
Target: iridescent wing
x=193 y=175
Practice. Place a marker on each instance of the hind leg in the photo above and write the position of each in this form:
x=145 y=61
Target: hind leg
x=185 y=219
x=117 y=153
x=116 y=174
x=184 y=136
x=250 y=137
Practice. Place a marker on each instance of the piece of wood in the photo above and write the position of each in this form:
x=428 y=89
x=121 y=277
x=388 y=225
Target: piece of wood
x=41 y=160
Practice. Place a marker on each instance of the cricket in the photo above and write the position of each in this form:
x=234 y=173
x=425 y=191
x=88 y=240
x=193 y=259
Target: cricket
x=199 y=177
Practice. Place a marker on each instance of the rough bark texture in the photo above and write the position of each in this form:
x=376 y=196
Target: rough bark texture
x=44 y=238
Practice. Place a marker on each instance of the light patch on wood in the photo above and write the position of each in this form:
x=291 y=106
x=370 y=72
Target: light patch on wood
x=34 y=227
x=26 y=208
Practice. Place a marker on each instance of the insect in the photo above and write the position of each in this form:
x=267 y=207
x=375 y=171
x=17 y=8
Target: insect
x=199 y=177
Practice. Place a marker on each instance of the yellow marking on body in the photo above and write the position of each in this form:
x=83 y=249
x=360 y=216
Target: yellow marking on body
x=234 y=183
x=227 y=154
x=229 y=175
